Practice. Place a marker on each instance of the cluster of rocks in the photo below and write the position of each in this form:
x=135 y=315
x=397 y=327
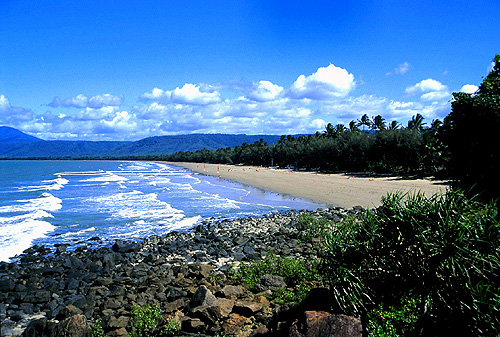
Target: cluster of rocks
x=65 y=293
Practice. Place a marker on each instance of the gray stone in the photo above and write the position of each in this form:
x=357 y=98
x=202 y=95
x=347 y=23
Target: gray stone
x=230 y=291
x=247 y=308
x=202 y=297
x=7 y=285
x=68 y=311
x=115 y=323
x=270 y=282
x=74 y=326
x=173 y=293
x=38 y=296
x=72 y=262
x=324 y=324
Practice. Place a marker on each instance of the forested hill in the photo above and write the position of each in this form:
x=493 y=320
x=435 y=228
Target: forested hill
x=16 y=144
x=57 y=149
x=11 y=135
x=184 y=143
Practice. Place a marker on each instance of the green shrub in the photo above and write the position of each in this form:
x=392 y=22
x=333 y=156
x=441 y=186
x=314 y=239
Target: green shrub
x=394 y=321
x=444 y=251
x=170 y=328
x=144 y=319
x=297 y=274
x=312 y=227
x=97 y=330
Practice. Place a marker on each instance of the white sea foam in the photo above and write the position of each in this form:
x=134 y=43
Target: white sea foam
x=40 y=214
x=107 y=177
x=77 y=233
x=135 y=204
x=18 y=236
x=45 y=202
x=19 y=230
x=214 y=200
x=185 y=223
x=50 y=185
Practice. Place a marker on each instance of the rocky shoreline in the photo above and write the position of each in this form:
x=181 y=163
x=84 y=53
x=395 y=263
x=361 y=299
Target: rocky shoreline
x=184 y=274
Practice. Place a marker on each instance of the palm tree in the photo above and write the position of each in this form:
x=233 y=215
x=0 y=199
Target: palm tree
x=329 y=131
x=353 y=127
x=378 y=123
x=394 y=125
x=365 y=121
x=340 y=129
x=435 y=125
x=417 y=123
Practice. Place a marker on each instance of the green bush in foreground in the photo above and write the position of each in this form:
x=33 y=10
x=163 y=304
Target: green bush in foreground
x=442 y=251
x=144 y=319
x=97 y=330
x=313 y=227
x=394 y=321
x=297 y=274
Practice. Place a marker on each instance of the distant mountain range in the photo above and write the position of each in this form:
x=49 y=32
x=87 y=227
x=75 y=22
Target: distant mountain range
x=11 y=135
x=16 y=144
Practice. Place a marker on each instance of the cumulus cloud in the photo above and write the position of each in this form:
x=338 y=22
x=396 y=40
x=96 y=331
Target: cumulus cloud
x=265 y=91
x=156 y=95
x=327 y=83
x=426 y=85
x=304 y=106
x=100 y=101
x=191 y=94
x=188 y=94
x=400 y=69
x=430 y=89
x=12 y=114
x=469 y=88
x=4 y=103
x=81 y=101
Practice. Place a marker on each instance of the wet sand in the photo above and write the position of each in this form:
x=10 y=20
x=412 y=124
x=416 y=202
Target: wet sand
x=336 y=189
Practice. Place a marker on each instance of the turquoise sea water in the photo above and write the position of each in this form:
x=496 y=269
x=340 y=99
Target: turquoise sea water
x=70 y=202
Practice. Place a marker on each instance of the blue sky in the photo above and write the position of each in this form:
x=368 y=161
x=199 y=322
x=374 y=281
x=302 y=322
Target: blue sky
x=126 y=70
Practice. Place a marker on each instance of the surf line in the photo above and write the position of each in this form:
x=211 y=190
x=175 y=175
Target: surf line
x=104 y=173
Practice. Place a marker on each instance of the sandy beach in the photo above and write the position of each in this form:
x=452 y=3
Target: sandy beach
x=344 y=190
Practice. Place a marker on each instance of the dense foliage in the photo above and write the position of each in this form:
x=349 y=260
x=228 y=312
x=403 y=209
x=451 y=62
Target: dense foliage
x=441 y=254
x=297 y=274
x=381 y=149
x=471 y=135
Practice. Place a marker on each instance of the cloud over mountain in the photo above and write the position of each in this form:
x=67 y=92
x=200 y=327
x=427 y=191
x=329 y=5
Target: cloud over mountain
x=239 y=106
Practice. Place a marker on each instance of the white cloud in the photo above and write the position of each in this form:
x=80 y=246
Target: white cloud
x=95 y=114
x=157 y=95
x=12 y=114
x=469 y=88
x=191 y=94
x=4 y=103
x=435 y=96
x=318 y=124
x=425 y=86
x=81 y=101
x=306 y=106
x=430 y=89
x=400 y=70
x=327 y=83
x=100 y=101
x=265 y=91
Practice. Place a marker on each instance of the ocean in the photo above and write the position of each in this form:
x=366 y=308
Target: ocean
x=74 y=202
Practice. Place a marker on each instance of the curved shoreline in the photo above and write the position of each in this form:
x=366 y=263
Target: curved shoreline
x=333 y=189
